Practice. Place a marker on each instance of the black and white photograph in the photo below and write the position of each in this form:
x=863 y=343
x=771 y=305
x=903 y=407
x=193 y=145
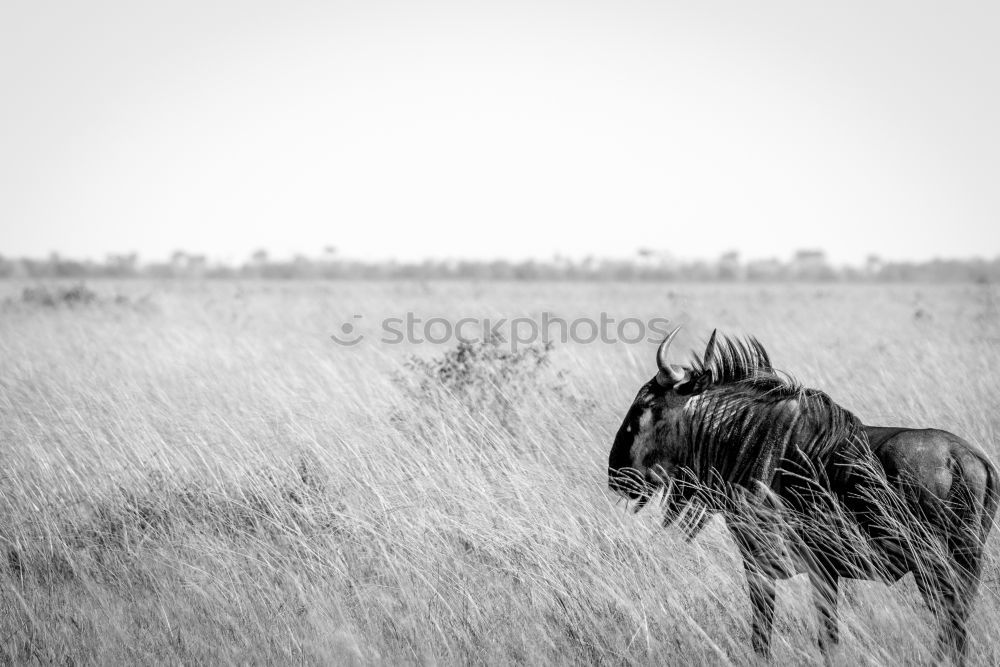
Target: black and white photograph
x=461 y=332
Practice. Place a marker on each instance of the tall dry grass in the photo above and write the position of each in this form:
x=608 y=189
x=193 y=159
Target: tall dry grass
x=196 y=473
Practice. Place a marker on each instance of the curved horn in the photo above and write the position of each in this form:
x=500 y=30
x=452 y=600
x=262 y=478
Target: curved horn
x=667 y=372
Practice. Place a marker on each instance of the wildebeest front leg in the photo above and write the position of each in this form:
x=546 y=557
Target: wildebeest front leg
x=761 y=587
x=825 y=591
x=760 y=548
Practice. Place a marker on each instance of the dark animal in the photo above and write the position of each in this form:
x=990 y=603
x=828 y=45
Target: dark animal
x=804 y=486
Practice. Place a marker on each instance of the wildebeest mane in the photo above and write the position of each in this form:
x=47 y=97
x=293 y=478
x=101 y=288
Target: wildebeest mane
x=753 y=419
x=733 y=360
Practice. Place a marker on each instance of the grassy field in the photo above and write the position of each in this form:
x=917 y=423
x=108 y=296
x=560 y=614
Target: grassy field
x=197 y=473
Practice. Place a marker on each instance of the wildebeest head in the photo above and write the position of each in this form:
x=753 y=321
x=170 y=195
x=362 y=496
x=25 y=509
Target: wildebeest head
x=649 y=449
x=640 y=458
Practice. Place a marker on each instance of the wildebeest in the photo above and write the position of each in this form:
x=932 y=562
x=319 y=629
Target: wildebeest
x=805 y=487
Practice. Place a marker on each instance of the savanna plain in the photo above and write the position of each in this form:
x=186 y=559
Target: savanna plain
x=195 y=472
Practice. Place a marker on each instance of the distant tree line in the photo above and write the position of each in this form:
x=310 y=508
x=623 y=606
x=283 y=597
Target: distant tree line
x=646 y=265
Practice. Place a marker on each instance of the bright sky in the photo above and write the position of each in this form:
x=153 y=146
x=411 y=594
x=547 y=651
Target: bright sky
x=499 y=129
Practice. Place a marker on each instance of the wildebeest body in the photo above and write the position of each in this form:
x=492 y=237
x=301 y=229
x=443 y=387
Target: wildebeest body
x=806 y=487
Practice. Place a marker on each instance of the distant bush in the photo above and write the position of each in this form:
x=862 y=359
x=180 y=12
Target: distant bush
x=75 y=295
x=479 y=370
x=490 y=379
